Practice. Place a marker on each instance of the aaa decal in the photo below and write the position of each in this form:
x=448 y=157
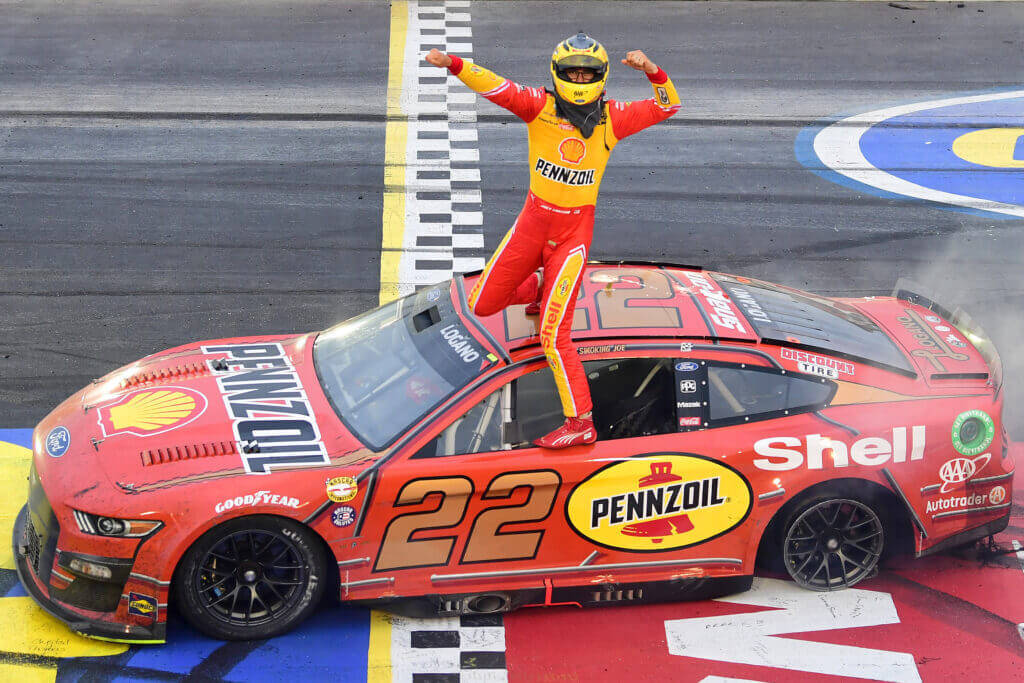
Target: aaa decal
x=150 y=411
x=659 y=502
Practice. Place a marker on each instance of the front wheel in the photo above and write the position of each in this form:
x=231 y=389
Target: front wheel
x=832 y=543
x=251 y=578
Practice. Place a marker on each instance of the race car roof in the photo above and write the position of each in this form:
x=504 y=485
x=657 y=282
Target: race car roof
x=653 y=300
x=630 y=300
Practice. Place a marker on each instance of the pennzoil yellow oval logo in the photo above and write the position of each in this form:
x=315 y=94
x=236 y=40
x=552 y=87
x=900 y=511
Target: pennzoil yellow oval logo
x=659 y=502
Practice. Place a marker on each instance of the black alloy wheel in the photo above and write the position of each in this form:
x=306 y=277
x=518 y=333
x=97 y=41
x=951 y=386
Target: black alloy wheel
x=832 y=544
x=251 y=578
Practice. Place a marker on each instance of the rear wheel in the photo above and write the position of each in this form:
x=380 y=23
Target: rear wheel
x=251 y=578
x=832 y=543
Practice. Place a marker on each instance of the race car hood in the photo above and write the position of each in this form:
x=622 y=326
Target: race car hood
x=206 y=411
x=938 y=350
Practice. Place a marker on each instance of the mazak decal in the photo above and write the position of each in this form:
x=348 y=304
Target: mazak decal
x=973 y=432
x=256 y=499
x=658 y=502
x=572 y=150
x=563 y=175
x=271 y=415
x=814 y=364
x=142 y=605
x=721 y=310
x=150 y=411
x=57 y=442
x=933 y=346
x=342 y=489
x=460 y=343
x=783 y=453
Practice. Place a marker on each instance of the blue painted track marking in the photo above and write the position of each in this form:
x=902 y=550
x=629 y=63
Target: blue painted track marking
x=919 y=152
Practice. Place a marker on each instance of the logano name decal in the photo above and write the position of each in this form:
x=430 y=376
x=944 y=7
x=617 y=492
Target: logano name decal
x=658 y=502
x=271 y=416
x=460 y=343
x=782 y=453
x=722 y=312
x=566 y=176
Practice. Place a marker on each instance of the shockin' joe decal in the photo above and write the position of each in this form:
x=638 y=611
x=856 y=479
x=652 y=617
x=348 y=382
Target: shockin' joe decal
x=659 y=502
x=268 y=407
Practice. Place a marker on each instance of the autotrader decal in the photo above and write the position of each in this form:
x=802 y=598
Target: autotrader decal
x=150 y=411
x=271 y=416
x=659 y=502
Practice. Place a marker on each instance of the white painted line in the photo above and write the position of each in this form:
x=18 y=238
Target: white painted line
x=751 y=638
x=838 y=148
x=723 y=679
x=427 y=91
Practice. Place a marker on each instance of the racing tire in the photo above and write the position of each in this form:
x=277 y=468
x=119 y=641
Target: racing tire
x=831 y=543
x=251 y=578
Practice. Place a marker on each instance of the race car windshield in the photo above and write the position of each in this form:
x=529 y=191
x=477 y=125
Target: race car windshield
x=384 y=370
x=789 y=316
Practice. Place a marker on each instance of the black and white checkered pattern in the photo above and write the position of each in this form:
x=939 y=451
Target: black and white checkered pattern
x=444 y=216
x=467 y=649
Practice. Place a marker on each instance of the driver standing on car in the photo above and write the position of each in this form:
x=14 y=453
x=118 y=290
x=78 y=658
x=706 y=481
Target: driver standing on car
x=572 y=131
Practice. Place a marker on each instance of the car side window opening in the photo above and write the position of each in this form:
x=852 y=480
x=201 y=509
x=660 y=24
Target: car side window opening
x=632 y=397
x=736 y=393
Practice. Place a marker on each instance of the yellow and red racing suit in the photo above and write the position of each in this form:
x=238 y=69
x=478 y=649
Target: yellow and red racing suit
x=556 y=224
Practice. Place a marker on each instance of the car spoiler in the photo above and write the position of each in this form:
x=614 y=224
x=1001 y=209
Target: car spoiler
x=915 y=293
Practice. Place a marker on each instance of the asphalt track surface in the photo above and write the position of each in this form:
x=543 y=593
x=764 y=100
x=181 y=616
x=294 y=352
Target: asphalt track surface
x=174 y=172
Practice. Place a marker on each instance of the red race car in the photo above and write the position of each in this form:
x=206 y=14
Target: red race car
x=389 y=458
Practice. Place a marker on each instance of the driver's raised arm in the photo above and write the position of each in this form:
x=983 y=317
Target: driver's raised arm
x=526 y=103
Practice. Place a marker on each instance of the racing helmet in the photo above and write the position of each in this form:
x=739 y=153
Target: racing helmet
x=579 y=51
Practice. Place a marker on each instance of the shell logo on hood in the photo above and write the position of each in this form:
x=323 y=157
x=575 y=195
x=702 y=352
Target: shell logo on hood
x=659 y=502
x=150 y=411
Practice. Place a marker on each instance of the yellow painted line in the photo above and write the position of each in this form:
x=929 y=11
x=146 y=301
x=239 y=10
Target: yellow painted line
x=378 y=660
x=25 y=629
x=396 y=136
x=378 y=657
x=14 y=464
x=28 y=672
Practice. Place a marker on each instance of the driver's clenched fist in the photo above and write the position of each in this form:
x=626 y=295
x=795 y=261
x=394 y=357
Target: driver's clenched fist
x=438 y=59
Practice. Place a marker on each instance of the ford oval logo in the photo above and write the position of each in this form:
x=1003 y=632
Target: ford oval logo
x=687 y=366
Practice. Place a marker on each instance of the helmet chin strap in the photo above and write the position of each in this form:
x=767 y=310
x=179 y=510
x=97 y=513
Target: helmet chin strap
x=584 y=116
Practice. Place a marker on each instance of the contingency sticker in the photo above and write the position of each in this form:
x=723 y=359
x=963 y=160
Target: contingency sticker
x=659 y=502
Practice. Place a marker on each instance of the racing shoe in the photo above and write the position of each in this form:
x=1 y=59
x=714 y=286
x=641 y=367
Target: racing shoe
x=574 y=432
x=534 y=308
